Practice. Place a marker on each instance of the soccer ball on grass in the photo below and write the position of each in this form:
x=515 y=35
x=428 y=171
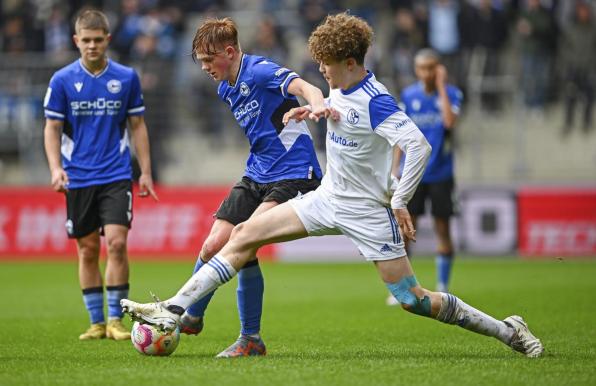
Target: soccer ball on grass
x=149 y=340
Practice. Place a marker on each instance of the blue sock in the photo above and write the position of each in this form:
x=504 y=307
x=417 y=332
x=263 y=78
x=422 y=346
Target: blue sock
x=250 y=297
x=93 y=298
x=443 y=262
x=198 y=309
x=115 y=294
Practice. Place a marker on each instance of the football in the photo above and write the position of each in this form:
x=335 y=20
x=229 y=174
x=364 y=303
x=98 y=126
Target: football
x=149 y=340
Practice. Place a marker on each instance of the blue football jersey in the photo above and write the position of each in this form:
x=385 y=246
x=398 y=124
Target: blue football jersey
x=259 y=99
x=424 y=110
x=94 y=108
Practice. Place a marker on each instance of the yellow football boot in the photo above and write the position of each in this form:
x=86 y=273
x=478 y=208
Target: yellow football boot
x=116 y=330
x=95 y=331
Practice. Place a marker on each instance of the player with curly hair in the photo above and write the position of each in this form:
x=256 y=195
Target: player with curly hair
x=354 y=198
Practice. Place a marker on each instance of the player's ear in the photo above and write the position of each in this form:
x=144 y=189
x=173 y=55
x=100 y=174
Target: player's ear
x=109 y=38
x=230 y=51
x=75 y=39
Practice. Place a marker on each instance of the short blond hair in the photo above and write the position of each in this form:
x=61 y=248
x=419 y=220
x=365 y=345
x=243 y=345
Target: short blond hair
x=340 y=37
x=92 y=19
x=214 y=34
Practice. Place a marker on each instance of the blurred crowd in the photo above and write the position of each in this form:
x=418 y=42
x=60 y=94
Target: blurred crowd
x=551 y=43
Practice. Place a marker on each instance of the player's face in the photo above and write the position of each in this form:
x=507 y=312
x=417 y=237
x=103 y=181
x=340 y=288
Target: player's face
x=92 y=44
x=216 y=65
x=334 y=73
x=426 y=70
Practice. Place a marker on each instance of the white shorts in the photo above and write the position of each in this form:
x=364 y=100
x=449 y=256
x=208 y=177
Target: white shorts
x=371 y=226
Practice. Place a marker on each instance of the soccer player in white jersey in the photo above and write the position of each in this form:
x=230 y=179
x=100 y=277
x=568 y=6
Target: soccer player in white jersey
x=88 y=105
x=354 y=198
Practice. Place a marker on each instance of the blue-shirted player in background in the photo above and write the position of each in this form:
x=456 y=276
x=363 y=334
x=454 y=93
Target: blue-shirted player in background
x=434 y=106
x=87 y=106
x=282 y=163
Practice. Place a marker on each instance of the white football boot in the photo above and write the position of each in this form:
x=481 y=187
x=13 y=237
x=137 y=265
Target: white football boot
x=523 y=340
x=156 y=314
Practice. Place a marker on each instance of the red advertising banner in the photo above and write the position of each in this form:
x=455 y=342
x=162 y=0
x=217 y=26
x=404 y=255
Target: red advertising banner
x=32 y=223
x=555 y=222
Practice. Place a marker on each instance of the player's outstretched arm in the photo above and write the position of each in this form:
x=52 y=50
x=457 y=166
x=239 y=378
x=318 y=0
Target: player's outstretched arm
x=140 y=139
x=51 y=138
x=313 y=96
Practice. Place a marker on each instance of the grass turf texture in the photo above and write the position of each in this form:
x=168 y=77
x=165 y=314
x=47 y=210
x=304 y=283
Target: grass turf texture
x=324 y=324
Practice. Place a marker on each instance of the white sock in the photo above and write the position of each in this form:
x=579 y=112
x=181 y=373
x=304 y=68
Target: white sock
x=210 y=276
x=454 y=311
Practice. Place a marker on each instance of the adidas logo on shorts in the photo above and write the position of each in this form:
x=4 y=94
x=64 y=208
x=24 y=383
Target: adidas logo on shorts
x=386 y=248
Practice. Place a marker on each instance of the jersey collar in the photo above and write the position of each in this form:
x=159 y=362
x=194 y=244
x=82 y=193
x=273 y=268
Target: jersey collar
x=91 y=74
x=239 y=72
x=357 y=86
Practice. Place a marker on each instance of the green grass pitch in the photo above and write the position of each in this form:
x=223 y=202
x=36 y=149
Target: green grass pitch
x=324 y=324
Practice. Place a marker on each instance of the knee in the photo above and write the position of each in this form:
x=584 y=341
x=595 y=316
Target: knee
x=88 y=252
x=242 y=236
x=212 y=245
x=117 y=247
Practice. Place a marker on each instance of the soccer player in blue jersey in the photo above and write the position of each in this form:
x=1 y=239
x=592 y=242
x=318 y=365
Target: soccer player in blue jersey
x=88 y=105
x=282 y=163
x=434 y=106
x=354 y=198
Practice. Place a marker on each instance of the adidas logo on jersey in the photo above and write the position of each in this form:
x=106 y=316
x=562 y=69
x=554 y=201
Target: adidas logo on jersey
x=386 y=248
x=78 y=86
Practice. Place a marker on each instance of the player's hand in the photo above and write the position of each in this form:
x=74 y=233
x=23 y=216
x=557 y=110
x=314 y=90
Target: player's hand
x=333 y=114
x=405 y=224
x=440 y=75
x=146 y=187
x=59 y=180
x=297 y=113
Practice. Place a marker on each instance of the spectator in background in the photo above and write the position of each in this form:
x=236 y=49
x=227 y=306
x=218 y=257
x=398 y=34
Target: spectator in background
x=407 y=39
x=270 y=41
x=127 y=29
x=536 y=29
x=490 y=31
x=312 y=12
x=57 y=33
x=578 y=57
x=443 y=34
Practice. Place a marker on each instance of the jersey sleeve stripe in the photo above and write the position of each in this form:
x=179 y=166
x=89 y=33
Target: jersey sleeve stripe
x=284 y=86
x=371 y=89
x=367 y=91
x=54 y=114
x=136 y=110
x=376 y=91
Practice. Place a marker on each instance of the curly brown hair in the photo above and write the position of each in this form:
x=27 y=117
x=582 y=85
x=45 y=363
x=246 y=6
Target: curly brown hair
x=340 y=37
x=214 y=34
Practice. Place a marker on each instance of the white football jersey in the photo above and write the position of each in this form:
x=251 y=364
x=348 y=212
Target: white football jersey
x=359 y=146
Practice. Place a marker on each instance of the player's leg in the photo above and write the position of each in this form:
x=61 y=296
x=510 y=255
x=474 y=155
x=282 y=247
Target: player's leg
x=116 y=277
x=192 y=320
x=82 y=224
x=238 y=206
x=442 y=208
x=91 y=285
x=115 y=211
x=416 y=207
x=250 y=279
x=275 y=225
x=398 y=276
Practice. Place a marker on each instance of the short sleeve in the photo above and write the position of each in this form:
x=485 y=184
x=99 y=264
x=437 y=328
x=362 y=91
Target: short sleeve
x=135 y=99
x=54 y=102
x=271 y=75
